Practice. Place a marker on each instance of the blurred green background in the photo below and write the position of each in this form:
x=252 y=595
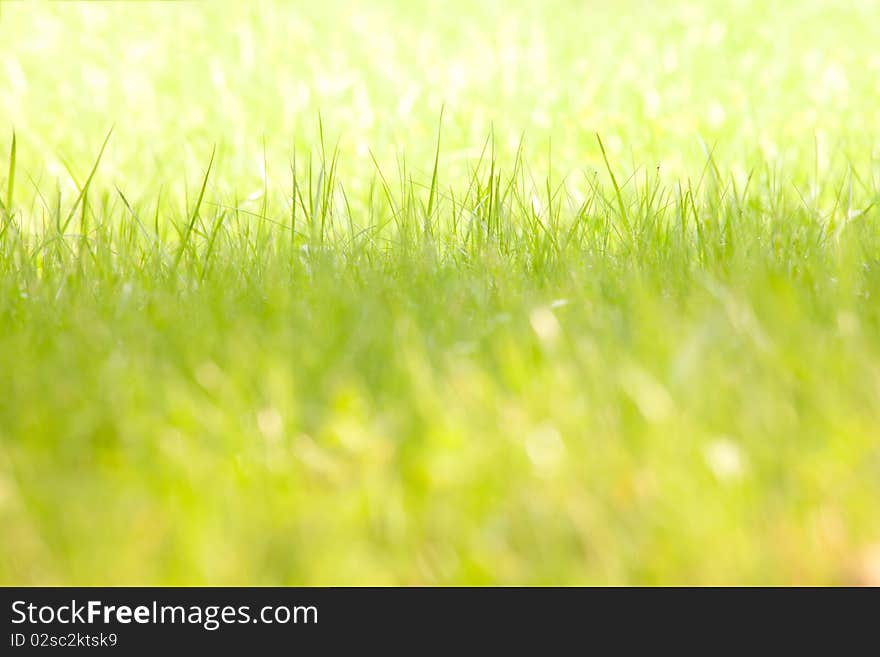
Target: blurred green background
x=770 y=80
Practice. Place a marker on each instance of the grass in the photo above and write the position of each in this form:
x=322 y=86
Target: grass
x=513 y=351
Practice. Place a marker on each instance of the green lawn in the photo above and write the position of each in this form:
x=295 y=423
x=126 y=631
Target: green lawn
x=435 y=293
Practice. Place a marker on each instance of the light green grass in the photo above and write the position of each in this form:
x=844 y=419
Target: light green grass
x=613 y=319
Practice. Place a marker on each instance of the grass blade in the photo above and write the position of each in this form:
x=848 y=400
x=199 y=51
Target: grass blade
x=433 y=193
x=195 y=213
x=620 y=205
x=84 y=189
x=10 y=181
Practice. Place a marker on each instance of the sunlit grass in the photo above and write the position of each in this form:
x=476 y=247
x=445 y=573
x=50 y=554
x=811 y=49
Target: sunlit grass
x=611 y=319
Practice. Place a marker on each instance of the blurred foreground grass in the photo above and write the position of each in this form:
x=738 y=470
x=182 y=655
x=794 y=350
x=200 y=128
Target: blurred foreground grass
x=330 y=364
